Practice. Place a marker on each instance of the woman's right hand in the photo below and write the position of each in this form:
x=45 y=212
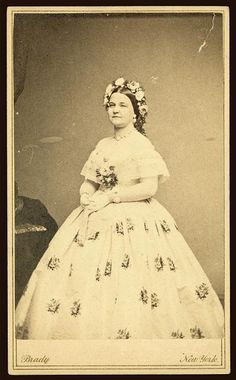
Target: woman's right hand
x=97 y=201
x=85 y=200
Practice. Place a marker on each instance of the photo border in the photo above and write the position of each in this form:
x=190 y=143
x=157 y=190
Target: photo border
x=225 y=343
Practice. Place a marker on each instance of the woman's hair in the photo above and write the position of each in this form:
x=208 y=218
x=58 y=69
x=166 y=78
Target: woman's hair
x=140 y=107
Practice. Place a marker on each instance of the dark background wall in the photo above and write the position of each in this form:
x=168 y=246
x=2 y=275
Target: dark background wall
x=68 y=62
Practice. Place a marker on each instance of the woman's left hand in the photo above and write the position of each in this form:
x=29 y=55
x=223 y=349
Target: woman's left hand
x=97 y=201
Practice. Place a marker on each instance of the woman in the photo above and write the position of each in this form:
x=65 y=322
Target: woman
x=118 y=268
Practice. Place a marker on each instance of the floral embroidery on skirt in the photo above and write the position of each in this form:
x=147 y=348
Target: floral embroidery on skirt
x=134 y=270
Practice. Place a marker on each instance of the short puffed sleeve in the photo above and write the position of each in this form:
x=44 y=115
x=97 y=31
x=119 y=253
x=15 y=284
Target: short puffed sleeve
x=146 y=162
x=90 y=166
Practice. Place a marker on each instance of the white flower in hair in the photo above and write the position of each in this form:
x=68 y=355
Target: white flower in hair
x=133 y=86
x=139 y=95
x=109 y=89
x=143 y=109
x=119 y=81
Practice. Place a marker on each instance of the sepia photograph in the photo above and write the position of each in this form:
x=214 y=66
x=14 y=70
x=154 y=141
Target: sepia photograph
x=118 y=190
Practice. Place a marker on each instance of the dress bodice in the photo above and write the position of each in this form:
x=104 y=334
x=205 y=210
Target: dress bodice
x=124 y=162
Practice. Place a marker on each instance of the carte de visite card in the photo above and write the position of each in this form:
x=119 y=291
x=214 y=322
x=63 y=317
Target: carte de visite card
x=127 y=109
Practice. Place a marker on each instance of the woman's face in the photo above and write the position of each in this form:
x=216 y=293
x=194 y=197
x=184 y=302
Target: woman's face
x=120 y=110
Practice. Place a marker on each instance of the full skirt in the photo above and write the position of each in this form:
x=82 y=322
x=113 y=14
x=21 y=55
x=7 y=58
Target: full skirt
x=134 y=278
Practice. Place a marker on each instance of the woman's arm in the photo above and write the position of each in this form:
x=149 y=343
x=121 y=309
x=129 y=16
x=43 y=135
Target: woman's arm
x=87 y=189
x=143 y=190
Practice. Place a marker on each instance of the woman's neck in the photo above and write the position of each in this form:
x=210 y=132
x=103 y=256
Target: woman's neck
x=120 y=133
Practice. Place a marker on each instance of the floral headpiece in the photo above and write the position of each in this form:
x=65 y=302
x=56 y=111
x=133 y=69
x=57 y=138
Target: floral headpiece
x=134 y=88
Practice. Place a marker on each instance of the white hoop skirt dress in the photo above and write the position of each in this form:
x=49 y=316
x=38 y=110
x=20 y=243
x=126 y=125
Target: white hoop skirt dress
x=134 y=278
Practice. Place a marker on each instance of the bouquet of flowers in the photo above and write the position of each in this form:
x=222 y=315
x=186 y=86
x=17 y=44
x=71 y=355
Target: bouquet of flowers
x=107 y=176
